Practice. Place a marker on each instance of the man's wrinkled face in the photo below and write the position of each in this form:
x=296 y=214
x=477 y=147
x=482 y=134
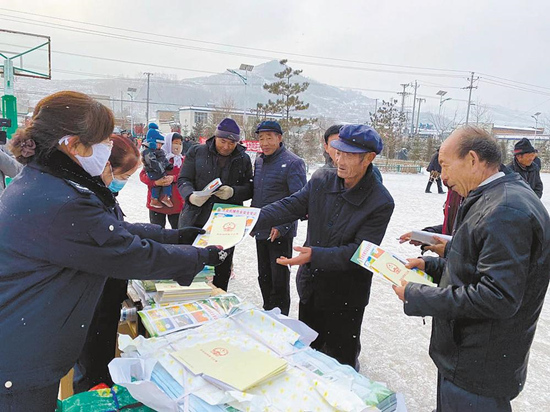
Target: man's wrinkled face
x=456 y=173
x=225 y=146
x=352 y=166
x=269 y=142
x=526 y=159
x=329 y=149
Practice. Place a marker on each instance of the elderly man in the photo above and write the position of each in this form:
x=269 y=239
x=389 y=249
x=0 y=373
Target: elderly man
x=330 y=152
x=220 y=157
x=524 y=164
x=278 y=173
x=491 y=285
x=344 y=206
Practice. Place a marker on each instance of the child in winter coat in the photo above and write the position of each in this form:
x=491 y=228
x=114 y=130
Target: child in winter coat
x=156 y=165
x=158 y=216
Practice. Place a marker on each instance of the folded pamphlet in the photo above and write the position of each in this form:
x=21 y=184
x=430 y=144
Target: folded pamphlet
x=428 y=237
x=377 y=260
x=209 y=188
x=229 y=366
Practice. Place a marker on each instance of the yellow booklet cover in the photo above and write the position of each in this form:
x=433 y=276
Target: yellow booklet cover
x=394 y=270
x=229 y=365
x=227 y=231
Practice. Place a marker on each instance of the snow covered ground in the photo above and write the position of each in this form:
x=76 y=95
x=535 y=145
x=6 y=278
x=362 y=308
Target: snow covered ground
x=394 y=346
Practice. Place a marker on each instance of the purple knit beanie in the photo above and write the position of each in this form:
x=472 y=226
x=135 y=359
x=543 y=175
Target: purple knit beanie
x=228 y=129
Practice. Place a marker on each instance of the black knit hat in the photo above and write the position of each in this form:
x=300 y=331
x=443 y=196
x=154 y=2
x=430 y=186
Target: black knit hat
x=523 y=146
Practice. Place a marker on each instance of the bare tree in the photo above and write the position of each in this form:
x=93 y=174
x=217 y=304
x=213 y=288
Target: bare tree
x=443 y=123
x=480 y=114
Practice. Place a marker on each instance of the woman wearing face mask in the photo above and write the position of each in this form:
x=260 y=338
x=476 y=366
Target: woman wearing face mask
x=91 y=367
x=61 y=239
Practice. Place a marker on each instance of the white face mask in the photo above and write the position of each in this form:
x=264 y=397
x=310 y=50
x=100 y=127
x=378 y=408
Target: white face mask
x=95 y=163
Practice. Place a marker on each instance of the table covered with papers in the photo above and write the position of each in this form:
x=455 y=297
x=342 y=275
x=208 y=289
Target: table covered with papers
x=200 y=368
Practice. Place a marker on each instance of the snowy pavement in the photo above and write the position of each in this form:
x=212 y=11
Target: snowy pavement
x=394 y=346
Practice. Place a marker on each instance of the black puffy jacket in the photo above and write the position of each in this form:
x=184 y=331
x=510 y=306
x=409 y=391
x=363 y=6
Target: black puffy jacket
x=531 y=174
x=491 y=290
x=200 y=167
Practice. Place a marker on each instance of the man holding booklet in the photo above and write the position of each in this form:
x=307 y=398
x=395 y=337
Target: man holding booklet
x=344 y=206
x=220 y=157
x=492 y=283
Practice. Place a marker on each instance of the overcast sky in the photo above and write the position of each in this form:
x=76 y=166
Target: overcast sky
x=506 y=39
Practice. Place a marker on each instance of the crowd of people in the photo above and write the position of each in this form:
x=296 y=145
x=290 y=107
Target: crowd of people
x=67 y=252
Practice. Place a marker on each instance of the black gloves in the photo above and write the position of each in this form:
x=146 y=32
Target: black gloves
x=187 y=235
x=213 y=255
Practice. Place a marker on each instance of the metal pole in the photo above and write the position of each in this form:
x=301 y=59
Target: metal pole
x=245 y=103
x=470 y=97
x=147 y=107
x=414 y=103
x=418 y=115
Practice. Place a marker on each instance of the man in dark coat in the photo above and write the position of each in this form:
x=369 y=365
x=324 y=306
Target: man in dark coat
x=492 y=284
x=344 y=206
x=220 y=157
x=434 y=168
x=524 y=164
x=278 y=173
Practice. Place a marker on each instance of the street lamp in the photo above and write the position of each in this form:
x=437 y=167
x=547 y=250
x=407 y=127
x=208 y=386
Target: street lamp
x=442 y=93
x=130 y=91
x=536 y=117
x=247 y=68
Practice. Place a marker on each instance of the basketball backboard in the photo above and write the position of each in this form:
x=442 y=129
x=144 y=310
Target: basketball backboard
x=28 y=54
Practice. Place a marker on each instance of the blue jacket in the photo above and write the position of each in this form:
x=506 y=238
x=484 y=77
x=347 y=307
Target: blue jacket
x=60 y=242
x=338 y=220
x=276 y=177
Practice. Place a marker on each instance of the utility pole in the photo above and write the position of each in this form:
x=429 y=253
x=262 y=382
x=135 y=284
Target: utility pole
x=414 y=103
x=147 y=109
x=420 y=100
x=471 y=86
x=404 y=94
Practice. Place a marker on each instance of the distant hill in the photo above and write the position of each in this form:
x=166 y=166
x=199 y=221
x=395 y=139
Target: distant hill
x=168 y=94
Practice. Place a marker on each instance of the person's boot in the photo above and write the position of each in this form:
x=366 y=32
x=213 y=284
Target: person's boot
x=166 y=200
x=155 y=203
x=428 y=186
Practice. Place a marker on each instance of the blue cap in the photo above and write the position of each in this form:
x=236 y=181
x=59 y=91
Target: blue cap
x=269 y=126
x=358 y=138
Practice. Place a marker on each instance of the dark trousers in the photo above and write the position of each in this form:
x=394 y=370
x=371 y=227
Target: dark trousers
x=223 y=271
x=160 y=219
x=99 y=349
x=339 y=331
x=35 y=400
x=451 y=398
x=274 y=279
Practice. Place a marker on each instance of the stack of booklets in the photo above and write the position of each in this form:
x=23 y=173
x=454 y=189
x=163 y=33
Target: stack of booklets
x=170 y=292
x=392 y=267
x=230 y=367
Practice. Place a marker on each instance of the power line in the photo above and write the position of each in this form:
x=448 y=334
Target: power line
x=286 y=53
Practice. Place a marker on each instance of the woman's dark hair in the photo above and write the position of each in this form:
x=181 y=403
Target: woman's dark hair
x=177 y=136
x=58 y=115
x=332 y=130
x=124 y=156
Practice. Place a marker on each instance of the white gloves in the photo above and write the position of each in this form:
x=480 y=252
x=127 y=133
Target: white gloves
x=198 y=200
x=224 y=192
